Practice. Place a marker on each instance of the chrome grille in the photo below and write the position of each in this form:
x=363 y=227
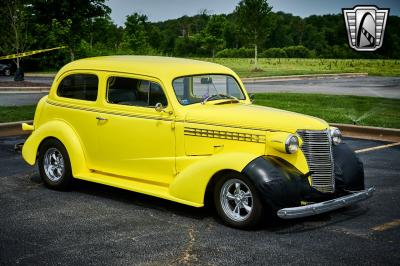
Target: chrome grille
x=317 y=149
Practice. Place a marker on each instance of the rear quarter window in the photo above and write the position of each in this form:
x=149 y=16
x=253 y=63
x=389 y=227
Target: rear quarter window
x=79 y=86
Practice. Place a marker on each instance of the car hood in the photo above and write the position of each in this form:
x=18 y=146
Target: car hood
x=250 y=116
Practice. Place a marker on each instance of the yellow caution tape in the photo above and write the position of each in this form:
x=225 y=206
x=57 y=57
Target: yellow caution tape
x=11 y=56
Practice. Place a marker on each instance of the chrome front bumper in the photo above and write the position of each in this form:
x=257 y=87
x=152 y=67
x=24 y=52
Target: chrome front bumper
x=325 y=206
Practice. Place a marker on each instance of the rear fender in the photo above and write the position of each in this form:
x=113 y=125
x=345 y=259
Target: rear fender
x=191 y=183
x=65 y=134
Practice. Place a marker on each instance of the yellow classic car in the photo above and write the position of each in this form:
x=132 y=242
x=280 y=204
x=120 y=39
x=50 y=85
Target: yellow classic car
x=187 y=131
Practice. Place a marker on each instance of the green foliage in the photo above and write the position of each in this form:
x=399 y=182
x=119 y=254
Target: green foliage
x=236 y=53
x=274 y=53
x=15 y=23
x=135 y=36
x=16 y=113
x=252 y=18
x=67 y=21
x=86 y=28
x=298 y=51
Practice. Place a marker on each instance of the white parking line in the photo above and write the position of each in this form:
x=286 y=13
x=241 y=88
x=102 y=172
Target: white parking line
x=377 y=147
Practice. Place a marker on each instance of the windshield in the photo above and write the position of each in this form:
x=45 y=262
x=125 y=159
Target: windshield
x=196 y=89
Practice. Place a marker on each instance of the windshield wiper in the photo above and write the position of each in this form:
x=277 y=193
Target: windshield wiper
x=221 y=96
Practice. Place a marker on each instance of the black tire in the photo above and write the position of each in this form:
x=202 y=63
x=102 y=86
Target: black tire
x=226 y=206
x=56 y=178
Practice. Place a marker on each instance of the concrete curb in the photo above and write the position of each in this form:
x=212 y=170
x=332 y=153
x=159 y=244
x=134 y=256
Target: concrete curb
x=301 y=77
x=44 y=75
x=362 y=132
x=24 y=89
x=13 y=128
x=372 y=133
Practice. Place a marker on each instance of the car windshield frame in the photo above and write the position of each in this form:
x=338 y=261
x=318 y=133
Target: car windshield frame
x=242 y=98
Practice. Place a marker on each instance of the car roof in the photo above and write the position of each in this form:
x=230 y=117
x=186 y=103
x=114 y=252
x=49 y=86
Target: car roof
x=155 y=66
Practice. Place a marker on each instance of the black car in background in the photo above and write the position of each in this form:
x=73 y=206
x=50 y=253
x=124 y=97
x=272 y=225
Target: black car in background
x=6 y=69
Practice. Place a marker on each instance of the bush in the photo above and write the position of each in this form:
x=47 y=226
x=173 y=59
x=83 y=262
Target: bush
x=236 y=53
x=274 y=53
x=298 y=51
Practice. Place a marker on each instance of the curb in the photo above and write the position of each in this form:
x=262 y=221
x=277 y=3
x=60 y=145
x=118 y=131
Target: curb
x=13 y=128
x=367 y=132
x=353 y=131
x=24 y=89
x=301 y=77
x=44 y=75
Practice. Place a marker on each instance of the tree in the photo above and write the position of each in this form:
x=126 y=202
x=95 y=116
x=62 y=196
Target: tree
x=136 y=32
x=252 y=17
x=214 y=33
x=16 y=35
x=73 y=18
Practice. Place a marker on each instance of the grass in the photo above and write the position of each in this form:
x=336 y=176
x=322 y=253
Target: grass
x=244 y=67
x=298 y=66
x=367 y=111
x=16 y=113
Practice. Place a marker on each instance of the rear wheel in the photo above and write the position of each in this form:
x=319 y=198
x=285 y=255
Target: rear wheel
x=237 y=201
x=54 y=165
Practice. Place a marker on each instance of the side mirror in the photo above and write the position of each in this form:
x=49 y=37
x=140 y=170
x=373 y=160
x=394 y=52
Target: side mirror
x=251 y=95
x=159 y=107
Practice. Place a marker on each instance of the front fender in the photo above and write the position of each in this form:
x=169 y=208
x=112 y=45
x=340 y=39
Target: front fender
x=279 y=183
x=191 y=183
x=63 y=132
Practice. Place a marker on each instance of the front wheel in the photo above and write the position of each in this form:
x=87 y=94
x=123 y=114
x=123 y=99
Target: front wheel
x=54 y=165
x=237 y=201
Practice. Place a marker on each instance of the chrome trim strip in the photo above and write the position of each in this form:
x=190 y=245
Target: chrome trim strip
x=219 y=134
x=228 y=125
x=325 y=206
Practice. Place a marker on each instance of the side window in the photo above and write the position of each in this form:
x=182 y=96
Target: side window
x=134 y=92
x=79 y=86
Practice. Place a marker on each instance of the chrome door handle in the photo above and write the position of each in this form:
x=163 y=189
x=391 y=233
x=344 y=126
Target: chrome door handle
x=101 y=118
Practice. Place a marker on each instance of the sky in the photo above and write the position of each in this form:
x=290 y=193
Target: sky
x=160 y=10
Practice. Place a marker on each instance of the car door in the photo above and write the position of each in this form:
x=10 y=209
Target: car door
x=135 y=140
x=76 y=99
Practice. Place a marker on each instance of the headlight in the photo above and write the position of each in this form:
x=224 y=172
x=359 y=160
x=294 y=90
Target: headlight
x=292 y=144
x=336 y=135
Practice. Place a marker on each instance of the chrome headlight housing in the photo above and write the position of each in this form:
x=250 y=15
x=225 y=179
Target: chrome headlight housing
x=336 y=135
x=291 y=144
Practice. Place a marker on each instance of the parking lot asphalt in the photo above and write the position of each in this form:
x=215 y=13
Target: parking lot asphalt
x=98 y=225
x=386 y=87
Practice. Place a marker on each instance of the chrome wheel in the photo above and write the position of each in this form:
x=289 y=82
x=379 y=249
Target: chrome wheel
x=53 y=164
x=236 y=200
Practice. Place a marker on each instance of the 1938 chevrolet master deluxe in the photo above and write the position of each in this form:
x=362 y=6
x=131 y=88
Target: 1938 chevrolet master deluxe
x=187 y=131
